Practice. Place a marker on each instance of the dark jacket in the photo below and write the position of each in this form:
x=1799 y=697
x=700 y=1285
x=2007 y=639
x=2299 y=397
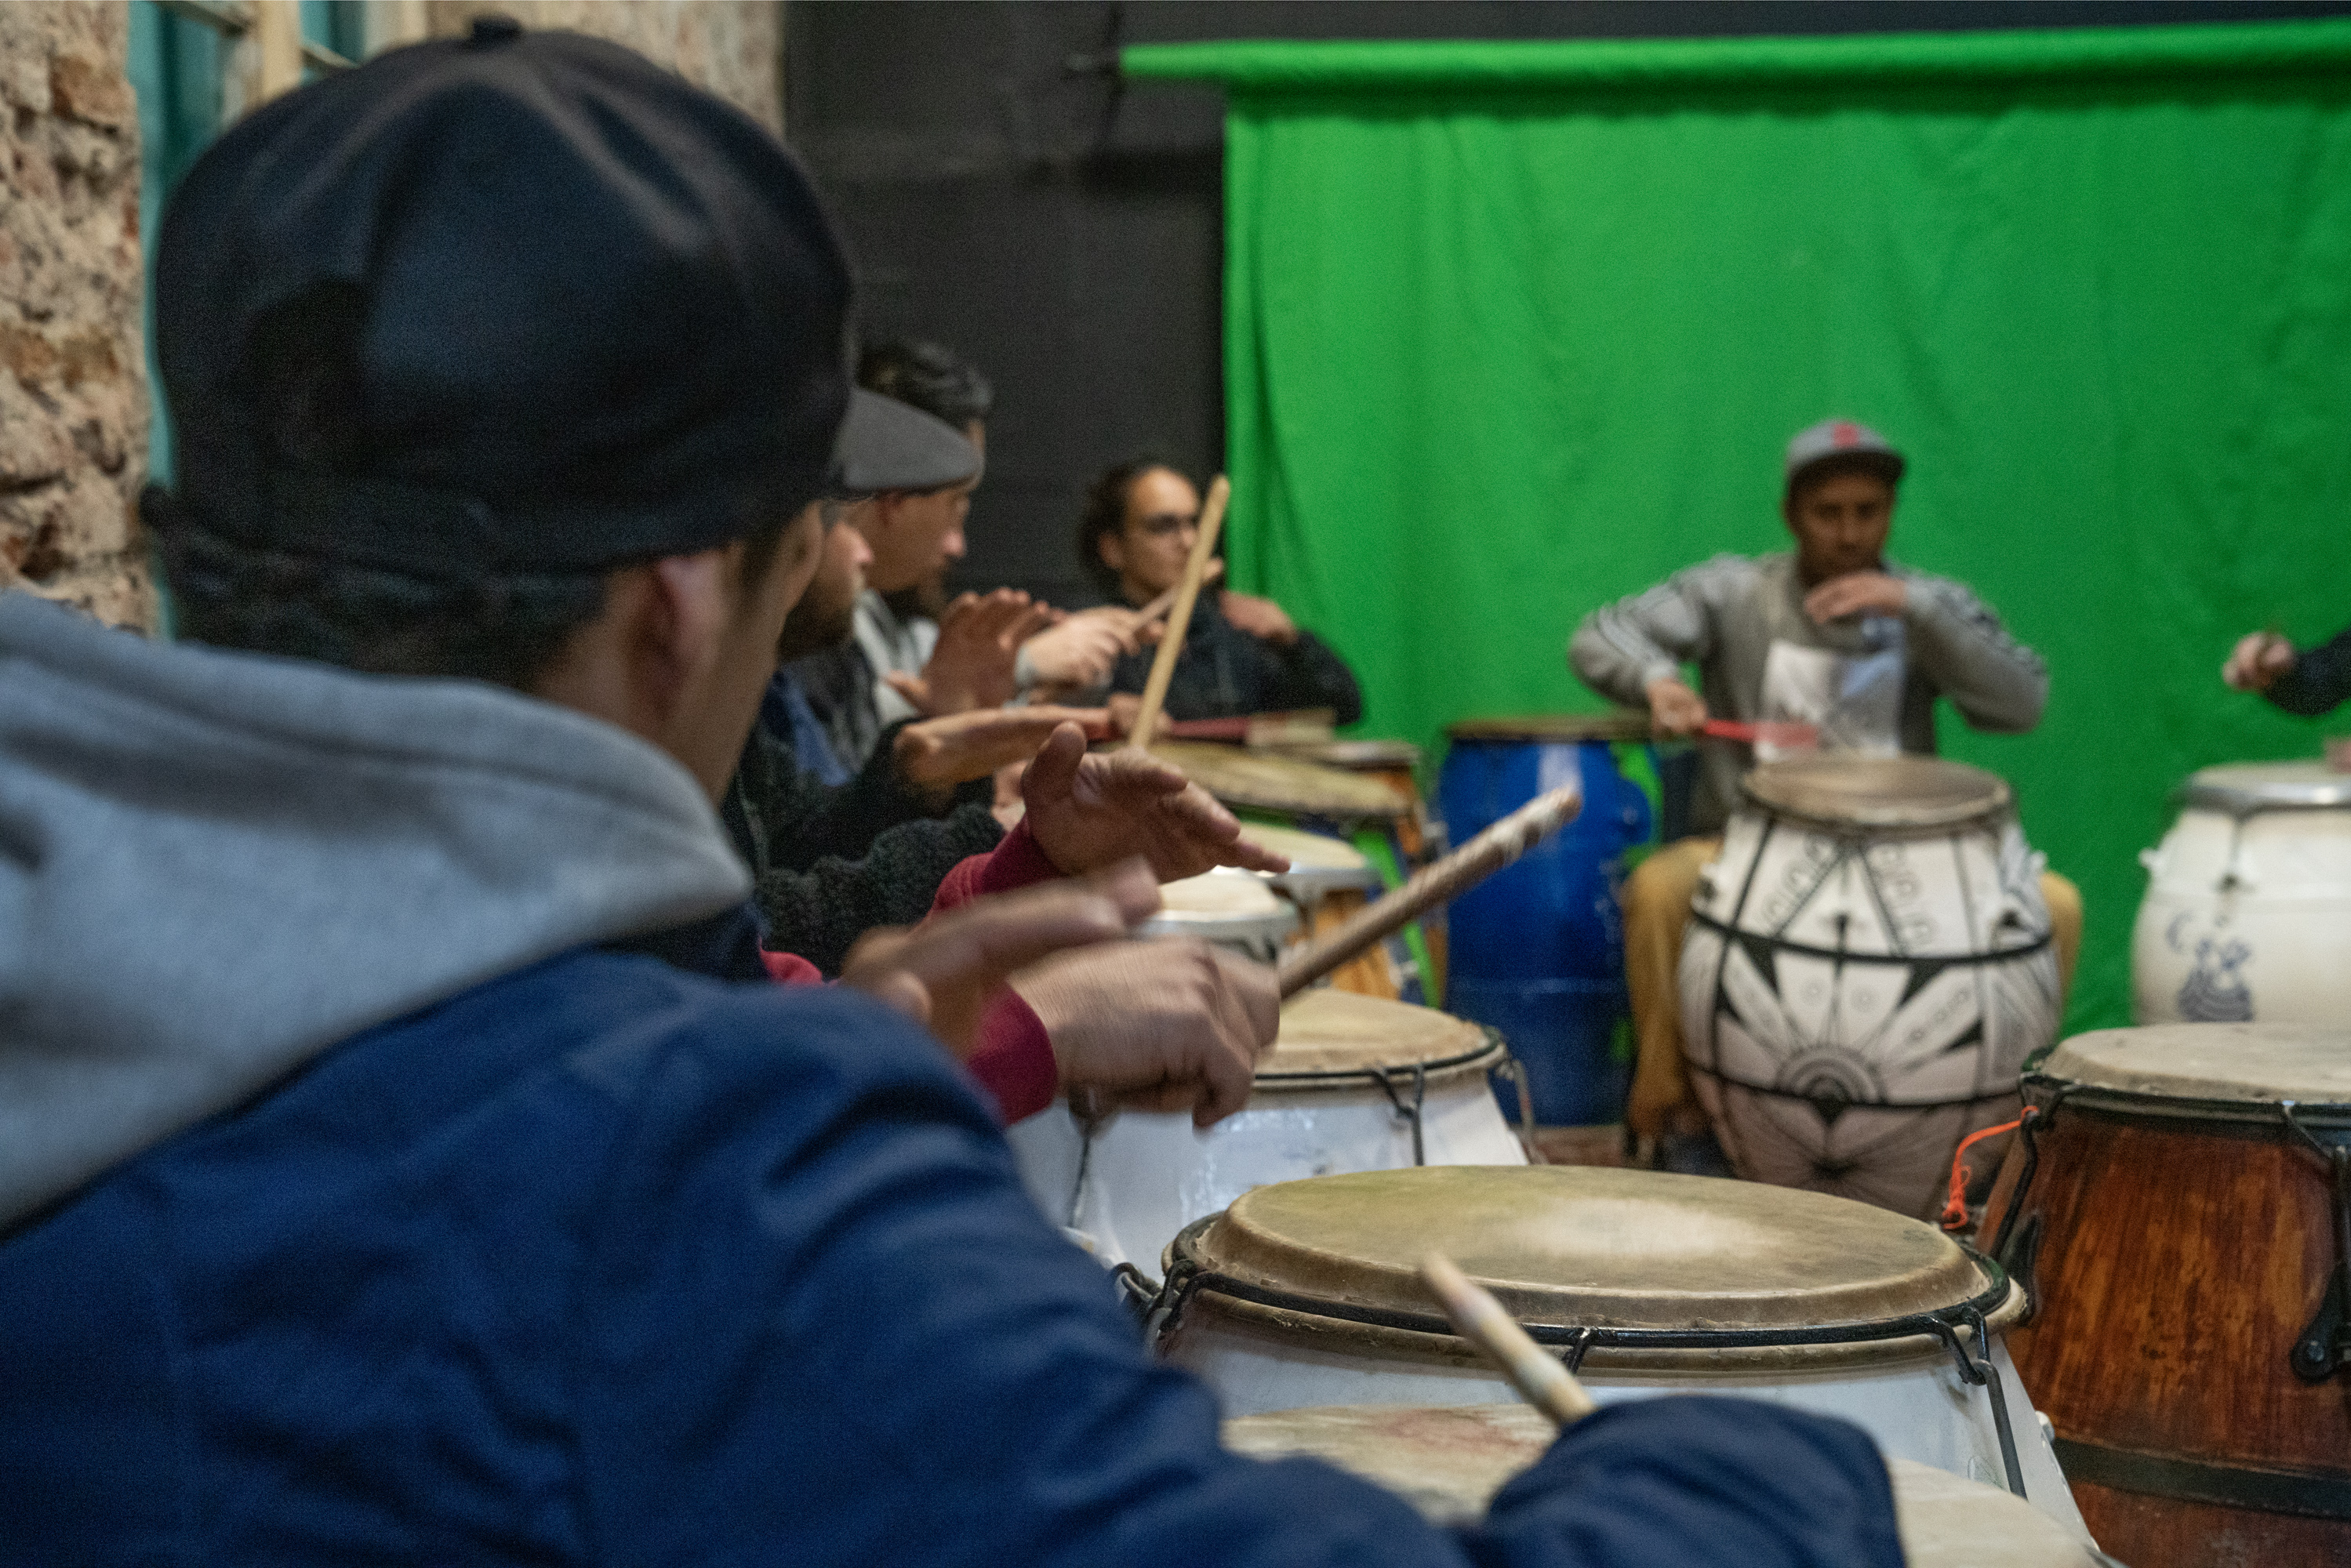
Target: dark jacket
x=604 y=1262
x=1225 y=673
x=829 y=864
x=2320 y=679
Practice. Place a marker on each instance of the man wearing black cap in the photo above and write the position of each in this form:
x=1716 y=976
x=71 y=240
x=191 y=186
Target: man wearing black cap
x=388 y=1170
x=1834 y=637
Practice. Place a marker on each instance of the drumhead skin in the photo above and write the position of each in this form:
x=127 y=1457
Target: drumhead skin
x=1326 y=1031
x=1359 y=756
x=1880 y=794
x=1275 y=783
x=2241 y=789
x=1568 y=1244
x=1449 y=1461
x=2252 y=1063
x=1623 y=725
x=1228 y=905
x=1320 y=865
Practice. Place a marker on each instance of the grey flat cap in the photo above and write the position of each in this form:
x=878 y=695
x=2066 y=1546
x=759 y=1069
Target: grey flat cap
x=885 y=445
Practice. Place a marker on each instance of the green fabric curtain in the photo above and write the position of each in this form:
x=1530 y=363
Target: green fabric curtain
x=1513 y=329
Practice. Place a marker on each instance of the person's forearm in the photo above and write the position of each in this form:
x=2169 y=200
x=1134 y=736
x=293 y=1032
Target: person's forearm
x=1997 y=683
x=1620 y=648
x=2319 y=681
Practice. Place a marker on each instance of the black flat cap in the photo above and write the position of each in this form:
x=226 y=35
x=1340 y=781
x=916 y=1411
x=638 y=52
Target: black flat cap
x=885 y=445
x=510 y=302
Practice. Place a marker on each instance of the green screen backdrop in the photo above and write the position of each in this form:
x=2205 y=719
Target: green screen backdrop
x=1512 y=329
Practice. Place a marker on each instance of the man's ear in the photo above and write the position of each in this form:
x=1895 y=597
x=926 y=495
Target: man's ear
x=1111 y=548
x=690 y=603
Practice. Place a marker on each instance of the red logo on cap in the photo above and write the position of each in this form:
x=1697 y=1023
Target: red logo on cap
x=1845 y=432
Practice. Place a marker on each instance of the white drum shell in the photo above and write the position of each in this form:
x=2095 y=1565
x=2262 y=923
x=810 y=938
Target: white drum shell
x=2246 y=919
x=1150 y=1173
x=1916 y=1407
x=1849 y=1066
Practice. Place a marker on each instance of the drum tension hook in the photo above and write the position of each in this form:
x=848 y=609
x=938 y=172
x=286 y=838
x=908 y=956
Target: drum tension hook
x=1385 y=1077
x=1985 y=1374
x=2324 y=1347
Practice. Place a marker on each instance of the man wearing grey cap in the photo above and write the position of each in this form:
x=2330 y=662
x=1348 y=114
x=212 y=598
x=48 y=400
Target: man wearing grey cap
x=1831 y=636
x=403 y=1158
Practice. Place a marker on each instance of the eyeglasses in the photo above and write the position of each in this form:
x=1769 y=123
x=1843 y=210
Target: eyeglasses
x=1161 y=524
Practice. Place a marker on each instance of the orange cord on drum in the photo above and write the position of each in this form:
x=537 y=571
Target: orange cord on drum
x=1955 y=1212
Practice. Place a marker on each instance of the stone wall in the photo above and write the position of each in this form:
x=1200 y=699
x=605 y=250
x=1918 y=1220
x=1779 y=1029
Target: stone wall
x=73 y=393
x=734 y=47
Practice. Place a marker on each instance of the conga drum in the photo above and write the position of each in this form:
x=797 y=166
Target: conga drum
x=2177 y=1207
x=1309 y=1294
x=1329 y=879
x=2247 y=916
x=1449 y=1461
x=1298 y=794
x=1867 y=968
x=1227 y=907
x=1537 y=950
x=1394 y=763
x=1353 y=1083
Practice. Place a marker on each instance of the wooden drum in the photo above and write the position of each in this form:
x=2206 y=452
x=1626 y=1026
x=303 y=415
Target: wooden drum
x=1867 y=967
x=1449 y=1461
x=2178 y=1207
x=1309 y=1294
x=2247 y=916
x=1353 y=1083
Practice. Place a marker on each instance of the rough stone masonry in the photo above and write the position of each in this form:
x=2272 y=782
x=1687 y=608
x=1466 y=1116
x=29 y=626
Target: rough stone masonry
x=73 y=394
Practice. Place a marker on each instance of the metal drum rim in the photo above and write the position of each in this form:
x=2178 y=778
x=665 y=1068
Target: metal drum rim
x=2081 y=1094
x=1490 y=1053
x=2202 y=792
x=1878 y=821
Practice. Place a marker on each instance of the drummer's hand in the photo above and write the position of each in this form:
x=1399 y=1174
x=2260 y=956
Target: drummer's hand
x=2259 y=662
x=971 y=666
x=1673 y=708
x=1858 y=593
x=1089 y=811
x=942 y=972
x=1083 y=649
x=932 y=755
x=1157 y=1026
x=1260 y=618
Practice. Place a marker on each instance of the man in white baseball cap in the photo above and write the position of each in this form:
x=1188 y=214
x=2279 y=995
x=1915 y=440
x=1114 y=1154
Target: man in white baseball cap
x=1834 y=636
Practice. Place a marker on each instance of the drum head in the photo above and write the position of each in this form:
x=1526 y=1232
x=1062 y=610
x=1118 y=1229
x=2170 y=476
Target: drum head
x=1624 y=724
x=2241 y=789
x=1899 y=794
x=1275 y=783
x=1328 y=1030
x=1318 y=863
x=2258 y=1063
x=1226 y=905
x=1584 y=1245
x=1450 y=1460
x=1357 y=756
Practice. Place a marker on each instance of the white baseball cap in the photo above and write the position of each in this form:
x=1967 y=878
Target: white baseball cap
x=1842 y=438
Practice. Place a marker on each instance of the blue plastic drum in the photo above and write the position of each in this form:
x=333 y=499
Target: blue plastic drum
x=1537 y=950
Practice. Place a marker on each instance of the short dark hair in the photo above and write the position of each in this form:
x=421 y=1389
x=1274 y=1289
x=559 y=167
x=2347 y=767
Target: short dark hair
x=1106 y=513
x=1883 y=466
x=928 y=376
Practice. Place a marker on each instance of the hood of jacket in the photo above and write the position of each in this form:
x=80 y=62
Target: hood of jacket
x=215 y=865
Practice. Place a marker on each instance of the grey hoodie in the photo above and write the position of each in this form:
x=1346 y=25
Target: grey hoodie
x=215 y=865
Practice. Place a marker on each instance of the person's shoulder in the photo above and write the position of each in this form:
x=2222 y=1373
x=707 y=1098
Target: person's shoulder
x=1725 y=573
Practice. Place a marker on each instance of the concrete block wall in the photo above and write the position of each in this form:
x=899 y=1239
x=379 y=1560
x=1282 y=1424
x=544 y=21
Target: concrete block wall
x=733 y=48
x=73 y=392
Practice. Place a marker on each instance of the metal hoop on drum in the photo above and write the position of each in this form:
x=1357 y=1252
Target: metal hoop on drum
x=1186 y=1278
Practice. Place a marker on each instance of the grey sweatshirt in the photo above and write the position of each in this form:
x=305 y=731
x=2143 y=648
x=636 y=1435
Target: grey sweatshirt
x=1724 y=614
x=215 y=865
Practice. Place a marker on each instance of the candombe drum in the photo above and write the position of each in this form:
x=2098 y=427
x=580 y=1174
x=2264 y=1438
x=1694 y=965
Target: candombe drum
x=1309 y=1294
x=1228 y=907
x=1328 y=880
x=1868 y=966
x=2247 y=916
x=1353 y=1083
x=1537 y=950
x=2179 y=1206
x=1449 y=1461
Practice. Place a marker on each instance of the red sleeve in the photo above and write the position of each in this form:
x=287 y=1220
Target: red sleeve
x=790 y=969
x=1014 y=1061
x=1018 y=862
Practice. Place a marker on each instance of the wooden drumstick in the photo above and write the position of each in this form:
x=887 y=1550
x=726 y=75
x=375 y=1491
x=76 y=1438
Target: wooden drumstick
x=1431 y=885
x=1479 y=1317
x=1179 y=614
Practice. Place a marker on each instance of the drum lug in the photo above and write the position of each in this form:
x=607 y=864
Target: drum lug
x=2324 y=1347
